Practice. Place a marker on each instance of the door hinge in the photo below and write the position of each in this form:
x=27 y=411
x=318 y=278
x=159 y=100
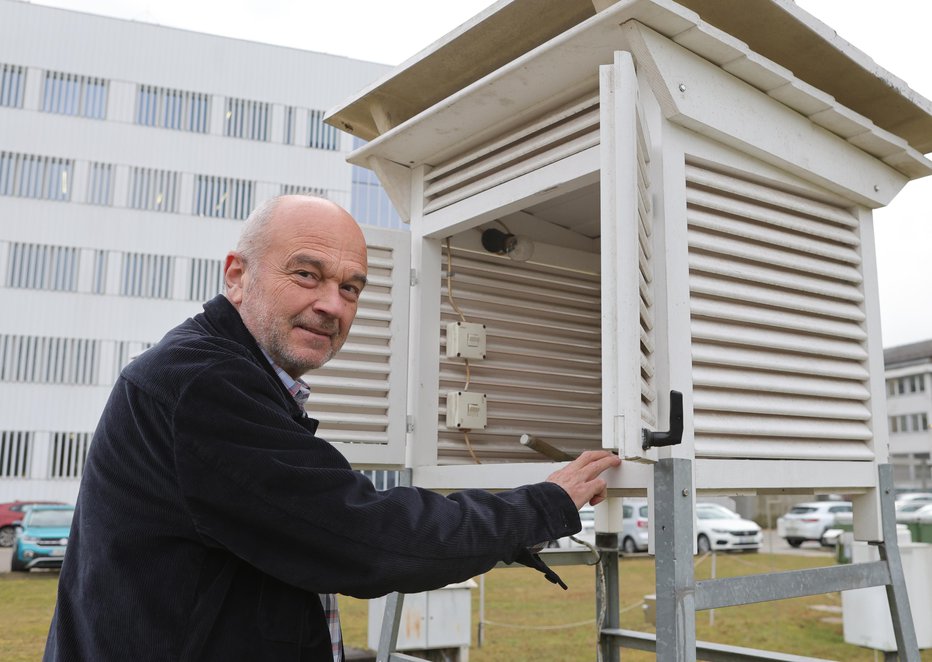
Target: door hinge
x=409 y=426
x=413 y=278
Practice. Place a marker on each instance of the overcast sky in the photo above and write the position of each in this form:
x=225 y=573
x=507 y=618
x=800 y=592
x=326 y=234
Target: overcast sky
x=892 y=32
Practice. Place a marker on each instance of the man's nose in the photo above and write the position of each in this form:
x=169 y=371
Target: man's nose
x=329 y=300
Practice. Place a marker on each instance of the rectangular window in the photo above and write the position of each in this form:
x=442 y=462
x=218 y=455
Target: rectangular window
x=300 y=189
x=893 y=424
x=247 y=119
x=74 y=94
x=99 y=286
x=891 y=387
x=44 y=360
x=15 y=453
x=288 y=137
x=42 y=267
x=320 y=135
x=68 y=454
x=100 y=184
x=369 y=203
x=33 y=176
x=222 y=197
x=206 y=279
x=154 y=190
x=172 y=109
x=12 y=85
x=145 y=275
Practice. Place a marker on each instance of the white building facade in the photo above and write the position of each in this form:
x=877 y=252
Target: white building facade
x=129 y=156
x=909 y=410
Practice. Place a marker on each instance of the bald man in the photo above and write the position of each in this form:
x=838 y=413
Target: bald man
x=213 y=524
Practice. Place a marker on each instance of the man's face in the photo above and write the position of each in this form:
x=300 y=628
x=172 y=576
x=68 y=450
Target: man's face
x=298 y=296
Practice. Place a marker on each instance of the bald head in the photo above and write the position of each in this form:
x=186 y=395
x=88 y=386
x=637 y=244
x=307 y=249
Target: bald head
x=295 y=278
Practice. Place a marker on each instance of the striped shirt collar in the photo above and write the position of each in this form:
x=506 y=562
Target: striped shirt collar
x=298 y=388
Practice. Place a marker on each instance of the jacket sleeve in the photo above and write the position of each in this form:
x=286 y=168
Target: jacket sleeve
x=259 y=484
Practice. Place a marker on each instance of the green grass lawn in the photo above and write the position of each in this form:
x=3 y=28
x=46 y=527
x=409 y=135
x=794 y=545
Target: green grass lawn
x=530 y=619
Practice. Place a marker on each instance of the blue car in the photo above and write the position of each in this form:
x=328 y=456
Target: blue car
x=42 y=539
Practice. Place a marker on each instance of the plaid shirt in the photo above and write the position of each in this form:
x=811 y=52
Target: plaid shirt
x=300 y=391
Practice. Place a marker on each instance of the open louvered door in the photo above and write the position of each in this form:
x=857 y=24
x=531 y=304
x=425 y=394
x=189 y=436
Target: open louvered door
x=629 y=334
x=359 y=397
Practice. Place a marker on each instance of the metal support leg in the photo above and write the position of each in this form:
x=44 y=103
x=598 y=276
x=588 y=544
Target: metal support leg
x=673 y=534
x=607 y=600
x=904 y=629
x=391 y=620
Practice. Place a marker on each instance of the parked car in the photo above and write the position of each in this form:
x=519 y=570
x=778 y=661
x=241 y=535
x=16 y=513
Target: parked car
x=914 y=512
x=42 y=538
x=810 y=521
x=634 y=527
x=718 y=528
x=911 y=501
x=11 y=515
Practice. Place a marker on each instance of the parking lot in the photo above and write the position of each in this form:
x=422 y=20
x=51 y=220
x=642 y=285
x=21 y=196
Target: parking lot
x=772 y=545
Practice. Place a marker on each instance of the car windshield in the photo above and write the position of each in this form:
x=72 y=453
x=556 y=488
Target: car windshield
x=802 y=510
x=54 y=518
x=912 y=506
x=715 y=512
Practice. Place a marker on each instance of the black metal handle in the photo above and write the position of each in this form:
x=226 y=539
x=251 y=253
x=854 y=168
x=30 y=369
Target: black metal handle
x=674 y=435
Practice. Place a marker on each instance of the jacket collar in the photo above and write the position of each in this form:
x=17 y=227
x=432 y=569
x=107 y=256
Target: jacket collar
x=224 y=320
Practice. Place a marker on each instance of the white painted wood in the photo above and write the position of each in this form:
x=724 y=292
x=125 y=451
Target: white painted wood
x=691 y=89
x=537 y=186
x=621 y=346
x=396 y=180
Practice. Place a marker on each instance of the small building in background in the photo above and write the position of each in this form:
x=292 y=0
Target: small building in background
x=909 y=410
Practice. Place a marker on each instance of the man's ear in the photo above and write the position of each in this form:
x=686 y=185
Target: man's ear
x=234 y=268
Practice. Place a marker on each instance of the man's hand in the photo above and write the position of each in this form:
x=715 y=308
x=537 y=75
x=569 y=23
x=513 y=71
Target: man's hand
x=580 y=478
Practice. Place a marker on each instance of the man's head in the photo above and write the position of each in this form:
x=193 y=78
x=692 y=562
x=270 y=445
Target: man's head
x=295 y=277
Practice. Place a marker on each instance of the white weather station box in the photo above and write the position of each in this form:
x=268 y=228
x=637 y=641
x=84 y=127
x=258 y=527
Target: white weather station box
x=466 y=410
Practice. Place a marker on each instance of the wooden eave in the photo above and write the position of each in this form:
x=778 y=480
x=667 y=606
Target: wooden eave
x=777 y=30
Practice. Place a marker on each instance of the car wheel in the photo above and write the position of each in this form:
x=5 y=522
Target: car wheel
x=794 y=542
x=15 y=564
x=703 y=544
x=7 y=534
x=628 y=546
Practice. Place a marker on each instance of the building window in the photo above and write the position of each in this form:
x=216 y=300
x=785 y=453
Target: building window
x=222 y=197
x=172 y=109
x=15 y=453
x=320 y=135
x=206 y=279
x=126 y=351
x=300 y=189
x=32 y=176
x=43 y=360
x=369 y=203
x=288 y=135
x=101 y=259
x=12 y=85
x=153 y=190
x=247 y=119
x=43 y=267
x=73 y=94
x=68 y=454
x=100 y=184
x=145 y=275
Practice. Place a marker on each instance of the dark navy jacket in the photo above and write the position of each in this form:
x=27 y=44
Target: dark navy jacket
x=210 y=516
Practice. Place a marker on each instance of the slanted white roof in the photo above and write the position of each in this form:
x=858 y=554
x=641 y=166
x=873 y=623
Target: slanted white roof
x=772 y=45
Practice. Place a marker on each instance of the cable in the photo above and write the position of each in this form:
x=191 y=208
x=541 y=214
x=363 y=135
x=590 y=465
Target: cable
x=459 y=312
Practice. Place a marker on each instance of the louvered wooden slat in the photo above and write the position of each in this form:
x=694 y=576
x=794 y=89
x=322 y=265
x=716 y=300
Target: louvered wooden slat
x=778 y=337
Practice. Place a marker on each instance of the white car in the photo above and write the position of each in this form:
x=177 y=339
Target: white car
x=634 y=527
x=914 y=512
x=810 y=521
x=718 y=528
x=911 y=501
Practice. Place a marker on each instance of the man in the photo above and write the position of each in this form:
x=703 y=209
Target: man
x=212 y=524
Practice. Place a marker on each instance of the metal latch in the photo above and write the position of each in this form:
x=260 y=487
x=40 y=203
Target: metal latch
x=673 y=436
